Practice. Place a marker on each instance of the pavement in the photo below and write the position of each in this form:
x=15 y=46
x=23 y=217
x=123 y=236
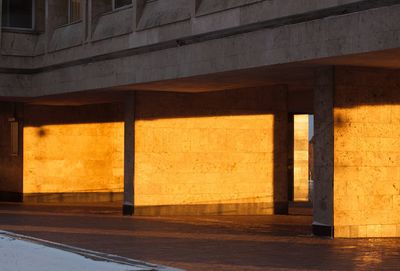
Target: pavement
x=201 y=242
x=22 y=253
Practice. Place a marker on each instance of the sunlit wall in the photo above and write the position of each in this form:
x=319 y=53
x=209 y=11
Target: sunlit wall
x=62 y=155
x=214 y=153
x=205 y=160
x=367 y=153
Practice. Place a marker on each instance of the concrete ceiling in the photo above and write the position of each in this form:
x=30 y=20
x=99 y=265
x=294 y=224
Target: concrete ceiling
x=297 y=76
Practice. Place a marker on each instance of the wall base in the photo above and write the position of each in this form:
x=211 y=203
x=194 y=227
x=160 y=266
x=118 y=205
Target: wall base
x=281 y=208
x=6 y=196
x=88 y=197
x=127 y=210
x=213 y=209
x=264 y=208
x=323 y=230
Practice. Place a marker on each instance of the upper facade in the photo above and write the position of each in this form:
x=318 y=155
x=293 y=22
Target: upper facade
x=49 y=46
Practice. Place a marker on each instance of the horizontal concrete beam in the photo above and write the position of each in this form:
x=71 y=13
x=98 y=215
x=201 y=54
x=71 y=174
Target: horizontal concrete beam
x=219 y=34
x=275 y=43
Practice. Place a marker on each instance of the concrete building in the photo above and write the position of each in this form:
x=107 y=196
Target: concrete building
x=185 y=106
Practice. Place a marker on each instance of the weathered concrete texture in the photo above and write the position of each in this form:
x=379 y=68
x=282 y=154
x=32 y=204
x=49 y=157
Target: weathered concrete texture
x=366 y=155
x=132 y=60
x=334 y=36
x=113 y=24
x=210 y=6
x=301 y=157
x=18 y=44
x=11 y=85
x=129 y=153
x=10 y=165
x=66 y=36
x=214 y=152
x=73 y=149
x=323 y=150
x=161 y=12
x=241 y=14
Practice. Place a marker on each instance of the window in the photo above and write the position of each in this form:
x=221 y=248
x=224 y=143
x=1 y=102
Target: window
x=74 y=10
x=18 y=14
x=121 y=3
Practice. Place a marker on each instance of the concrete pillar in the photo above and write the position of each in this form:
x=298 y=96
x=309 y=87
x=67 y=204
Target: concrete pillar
x=323 y=151
x=290 y=157
x=11 y=154
x=129 y=154
x=281 y=143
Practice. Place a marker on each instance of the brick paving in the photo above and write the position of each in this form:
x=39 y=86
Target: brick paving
x=201 y=243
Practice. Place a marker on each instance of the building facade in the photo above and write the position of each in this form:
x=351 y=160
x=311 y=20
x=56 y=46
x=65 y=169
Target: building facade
x=186 y=106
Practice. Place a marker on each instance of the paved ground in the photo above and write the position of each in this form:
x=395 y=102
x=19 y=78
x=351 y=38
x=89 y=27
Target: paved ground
x=21 y=253
x=202 y=243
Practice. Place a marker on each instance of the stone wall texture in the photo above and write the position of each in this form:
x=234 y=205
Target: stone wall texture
x=219 y=153
x=366 y=153
x=73 y=149
x=207 y=153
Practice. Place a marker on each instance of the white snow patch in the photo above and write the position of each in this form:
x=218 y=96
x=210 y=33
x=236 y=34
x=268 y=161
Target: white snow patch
x=20 y=255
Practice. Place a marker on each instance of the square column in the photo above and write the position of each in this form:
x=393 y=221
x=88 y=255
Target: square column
x=323 y=152
x=129 y=154
x=11 y=158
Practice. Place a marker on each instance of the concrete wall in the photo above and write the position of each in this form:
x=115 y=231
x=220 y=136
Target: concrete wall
x=10 y=165
x=111 y=24
x=270 y=46
x=366 y=153
x=73 y=151
x=126 y=57
x=209 y=153
x=323 y=151
x=213 y=153
x=162 y=12
x=210 y=6
x=301 y=157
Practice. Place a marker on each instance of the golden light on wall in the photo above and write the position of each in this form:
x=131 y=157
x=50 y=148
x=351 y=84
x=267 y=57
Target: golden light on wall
x=367 y=171
x=204 y=160
x=85 y=157
x=178 y=161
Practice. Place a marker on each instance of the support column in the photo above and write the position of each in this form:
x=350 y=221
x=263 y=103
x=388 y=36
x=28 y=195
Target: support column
x=323 y=152
x=280 y=143
x=129 y=154
x=11 y=151
x=290 y=157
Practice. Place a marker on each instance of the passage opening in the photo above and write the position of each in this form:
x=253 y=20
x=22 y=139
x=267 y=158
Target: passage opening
x=300 y=166
x=302 y=156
